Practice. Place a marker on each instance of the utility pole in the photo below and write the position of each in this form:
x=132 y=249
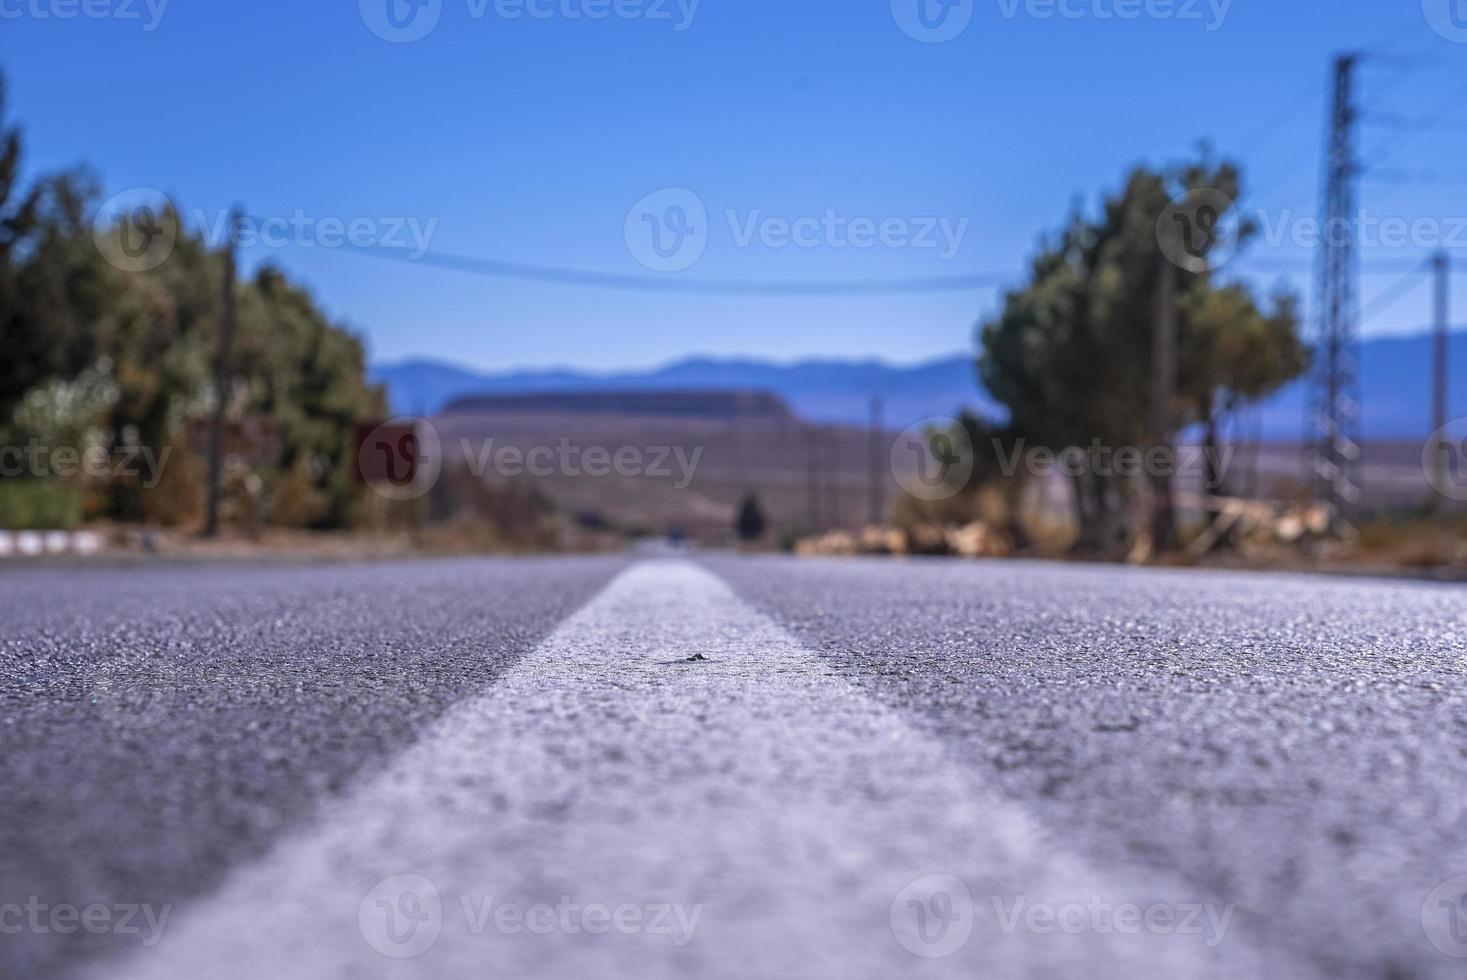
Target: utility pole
x=812 y=477
x=221 y=379
x=832 y=466
x=1335 y=386
x=1442 y=267
x=876 y=446
x=1163 y=392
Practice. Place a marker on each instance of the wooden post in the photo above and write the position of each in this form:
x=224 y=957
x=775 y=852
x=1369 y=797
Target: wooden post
x=1164 y=386
x=221 y=379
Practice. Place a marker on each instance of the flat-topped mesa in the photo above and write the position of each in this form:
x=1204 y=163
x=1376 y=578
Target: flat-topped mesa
x=729 y=405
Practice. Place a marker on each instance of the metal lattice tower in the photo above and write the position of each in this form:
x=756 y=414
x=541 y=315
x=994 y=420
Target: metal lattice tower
x=1334 y=399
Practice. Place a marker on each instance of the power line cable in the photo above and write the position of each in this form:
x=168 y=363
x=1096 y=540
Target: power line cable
x=1306 y=96
x=970 y=282
x=1374 y=267
x=1422 y=124
x=1398 y=291
x=1381 y=56
x=1417 y=178
x=566 y=276
x=1411 y=127
x=1301 y=156
x=563 y=276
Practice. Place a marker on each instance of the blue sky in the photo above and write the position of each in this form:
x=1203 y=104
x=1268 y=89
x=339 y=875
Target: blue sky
x=531 y=139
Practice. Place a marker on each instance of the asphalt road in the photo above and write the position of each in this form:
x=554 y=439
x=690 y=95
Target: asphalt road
x=728 y=767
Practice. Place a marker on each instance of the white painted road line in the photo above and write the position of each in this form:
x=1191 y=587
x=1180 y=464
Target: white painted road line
x=607 y=811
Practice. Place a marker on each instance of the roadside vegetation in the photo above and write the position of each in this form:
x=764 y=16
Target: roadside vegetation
x=106 y=361
x=1070 y=354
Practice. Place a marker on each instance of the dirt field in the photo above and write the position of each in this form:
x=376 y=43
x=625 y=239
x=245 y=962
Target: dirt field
x=806 y=477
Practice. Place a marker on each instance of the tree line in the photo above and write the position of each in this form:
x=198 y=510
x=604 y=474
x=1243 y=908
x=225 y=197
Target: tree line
x=101 y=357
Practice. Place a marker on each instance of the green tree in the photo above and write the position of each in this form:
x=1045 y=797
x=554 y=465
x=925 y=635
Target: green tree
x=1070 y=353
x=122 y=357
x=750 y=523
x=1235 y=356
x=159 y=334
x=309 y=375
x=24 y=360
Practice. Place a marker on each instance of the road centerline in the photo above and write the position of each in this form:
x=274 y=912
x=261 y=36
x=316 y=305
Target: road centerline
x=749 y=814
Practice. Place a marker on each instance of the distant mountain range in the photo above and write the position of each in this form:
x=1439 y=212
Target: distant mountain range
x=1396 y=381
x=820 y=391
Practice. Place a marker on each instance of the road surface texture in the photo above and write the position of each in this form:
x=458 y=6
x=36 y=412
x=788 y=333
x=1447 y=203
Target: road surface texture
x=728 y=767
